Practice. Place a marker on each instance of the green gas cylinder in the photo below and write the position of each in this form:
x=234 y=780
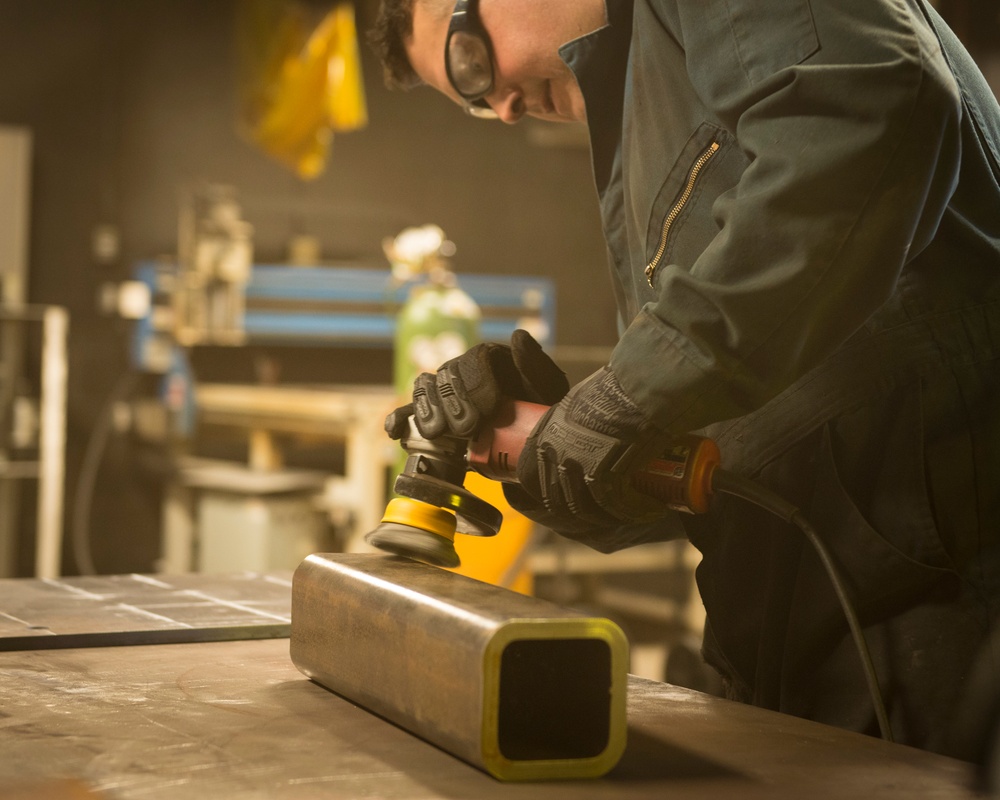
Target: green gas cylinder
x=436 y=323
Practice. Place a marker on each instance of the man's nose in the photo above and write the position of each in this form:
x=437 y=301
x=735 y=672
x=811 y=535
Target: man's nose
x=509 y=106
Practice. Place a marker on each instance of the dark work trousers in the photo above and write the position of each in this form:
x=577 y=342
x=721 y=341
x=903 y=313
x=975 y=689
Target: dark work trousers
x=892 y=451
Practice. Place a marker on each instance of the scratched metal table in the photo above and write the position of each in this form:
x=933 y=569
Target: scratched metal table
x=232 y=718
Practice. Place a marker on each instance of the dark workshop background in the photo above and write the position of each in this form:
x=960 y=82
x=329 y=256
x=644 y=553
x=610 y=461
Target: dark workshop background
x=129 y=101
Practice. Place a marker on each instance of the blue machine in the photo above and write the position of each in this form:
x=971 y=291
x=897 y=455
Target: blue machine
x=345 y=306
x=342 y=306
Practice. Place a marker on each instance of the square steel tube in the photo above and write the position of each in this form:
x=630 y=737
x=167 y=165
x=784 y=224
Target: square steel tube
x=517 y=686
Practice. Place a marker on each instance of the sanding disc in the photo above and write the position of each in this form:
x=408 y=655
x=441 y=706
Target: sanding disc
x=420 y=545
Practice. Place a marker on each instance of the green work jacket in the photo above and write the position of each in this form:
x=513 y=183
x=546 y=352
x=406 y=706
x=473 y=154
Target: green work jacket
x=778 y=179
x=801 y=201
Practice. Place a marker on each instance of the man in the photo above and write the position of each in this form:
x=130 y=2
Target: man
x=801 y=201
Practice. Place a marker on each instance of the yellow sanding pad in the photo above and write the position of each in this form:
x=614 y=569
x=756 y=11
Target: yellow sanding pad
x=417 y=530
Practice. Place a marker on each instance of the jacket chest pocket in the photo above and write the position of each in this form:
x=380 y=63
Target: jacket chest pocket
x=680 y=221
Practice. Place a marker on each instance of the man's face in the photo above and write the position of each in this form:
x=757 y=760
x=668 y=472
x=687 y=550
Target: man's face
x=528 y=75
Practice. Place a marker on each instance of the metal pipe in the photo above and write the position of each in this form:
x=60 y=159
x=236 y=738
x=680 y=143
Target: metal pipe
x=52 y=442
x=517 y=686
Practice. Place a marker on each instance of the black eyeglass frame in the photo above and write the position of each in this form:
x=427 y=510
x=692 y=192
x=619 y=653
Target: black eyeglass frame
x=465 y=19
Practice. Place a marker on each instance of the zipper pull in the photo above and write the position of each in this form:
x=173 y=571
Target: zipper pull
x=678 y=206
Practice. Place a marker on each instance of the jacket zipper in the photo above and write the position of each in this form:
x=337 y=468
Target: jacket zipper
x=678 y=207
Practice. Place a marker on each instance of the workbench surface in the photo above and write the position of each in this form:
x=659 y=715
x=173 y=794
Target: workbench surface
x=235 y=719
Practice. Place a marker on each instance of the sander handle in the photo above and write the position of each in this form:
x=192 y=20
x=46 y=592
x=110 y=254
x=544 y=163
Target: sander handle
x=496 y=451
x=681 y=477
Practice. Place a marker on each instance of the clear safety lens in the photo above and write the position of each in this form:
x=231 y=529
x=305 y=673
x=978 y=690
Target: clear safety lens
x=469 y=64
x=480 y=110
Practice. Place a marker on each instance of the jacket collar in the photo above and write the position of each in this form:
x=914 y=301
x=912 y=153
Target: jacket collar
x=599 y=61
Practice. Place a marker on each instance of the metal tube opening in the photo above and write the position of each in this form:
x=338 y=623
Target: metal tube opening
x=554 y=699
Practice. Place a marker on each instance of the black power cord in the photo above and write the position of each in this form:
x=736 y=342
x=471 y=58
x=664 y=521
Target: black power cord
x=93 y=456
x=729 y=483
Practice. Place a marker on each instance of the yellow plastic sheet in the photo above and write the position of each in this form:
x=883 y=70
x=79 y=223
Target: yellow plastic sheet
x=501 y=559
x=300 y=80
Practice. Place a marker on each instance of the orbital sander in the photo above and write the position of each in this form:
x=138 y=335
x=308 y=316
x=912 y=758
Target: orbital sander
x=433 y=505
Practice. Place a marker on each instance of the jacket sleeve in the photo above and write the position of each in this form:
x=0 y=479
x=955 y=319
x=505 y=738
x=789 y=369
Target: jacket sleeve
x=849 y=117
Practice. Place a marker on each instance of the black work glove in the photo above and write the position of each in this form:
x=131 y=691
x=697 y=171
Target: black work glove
x=465 y=391
x=575 y=469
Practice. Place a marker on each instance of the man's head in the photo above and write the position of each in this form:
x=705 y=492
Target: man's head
x=522 y=38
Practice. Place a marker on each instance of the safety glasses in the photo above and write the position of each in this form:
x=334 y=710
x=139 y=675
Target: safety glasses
x=468 y=59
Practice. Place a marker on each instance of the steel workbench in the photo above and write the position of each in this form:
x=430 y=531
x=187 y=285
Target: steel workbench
x=181 y=687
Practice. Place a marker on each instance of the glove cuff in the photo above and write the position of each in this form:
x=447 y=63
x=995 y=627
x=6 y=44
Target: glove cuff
x=600 y=404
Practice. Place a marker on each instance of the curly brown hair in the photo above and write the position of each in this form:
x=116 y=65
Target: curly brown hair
x=393 y=26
